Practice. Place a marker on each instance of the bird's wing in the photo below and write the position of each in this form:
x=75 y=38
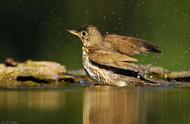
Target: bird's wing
x=110 y=58
x=128 y=45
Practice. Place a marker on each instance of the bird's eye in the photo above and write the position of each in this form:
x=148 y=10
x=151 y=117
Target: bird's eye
x=84 y=33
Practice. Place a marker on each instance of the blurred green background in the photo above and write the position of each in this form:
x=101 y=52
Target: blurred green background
x=35 y=29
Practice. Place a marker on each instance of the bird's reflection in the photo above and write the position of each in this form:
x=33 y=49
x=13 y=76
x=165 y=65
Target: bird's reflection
x=112 y=105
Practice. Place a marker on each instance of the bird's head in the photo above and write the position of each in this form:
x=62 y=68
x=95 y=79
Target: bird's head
x=88 y=34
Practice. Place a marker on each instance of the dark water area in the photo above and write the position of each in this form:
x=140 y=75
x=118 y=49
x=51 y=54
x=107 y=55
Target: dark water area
x=96 y=105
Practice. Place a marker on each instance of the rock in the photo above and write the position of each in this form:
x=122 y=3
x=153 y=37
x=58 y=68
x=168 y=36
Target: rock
x=32 y=74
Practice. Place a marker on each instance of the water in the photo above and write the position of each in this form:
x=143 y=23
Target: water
x=97 y=105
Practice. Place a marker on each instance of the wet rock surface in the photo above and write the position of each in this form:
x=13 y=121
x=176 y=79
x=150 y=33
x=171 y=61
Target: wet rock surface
x=47 y=74
x=33 y=74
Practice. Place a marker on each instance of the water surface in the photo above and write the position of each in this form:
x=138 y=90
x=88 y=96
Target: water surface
x=97 y=105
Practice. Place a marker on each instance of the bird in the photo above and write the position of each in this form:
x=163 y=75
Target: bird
x=108 y=59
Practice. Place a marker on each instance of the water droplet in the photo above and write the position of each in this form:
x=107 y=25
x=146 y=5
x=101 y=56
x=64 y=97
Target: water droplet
x=57 y=44
x=136 y=35
x=168 y=2
x=176 y=10
x=86 y=11
x=138 y=5
x=120 y=19
x=175 y=21
x=154 y=30
x=185 y=14
x=186 y=20
x=151 y=76
x=115 y=29
x=138 y=76
x=113 y=12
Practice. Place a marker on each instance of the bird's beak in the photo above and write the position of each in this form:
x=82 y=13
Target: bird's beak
x=74 y=32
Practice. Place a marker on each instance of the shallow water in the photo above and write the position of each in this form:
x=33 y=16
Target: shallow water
x=97 y=105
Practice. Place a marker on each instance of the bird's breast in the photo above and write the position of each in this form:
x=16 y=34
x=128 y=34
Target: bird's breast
x=91 y=69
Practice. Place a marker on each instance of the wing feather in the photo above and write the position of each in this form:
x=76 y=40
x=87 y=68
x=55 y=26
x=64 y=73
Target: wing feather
x=111 y=58
x=128 y=45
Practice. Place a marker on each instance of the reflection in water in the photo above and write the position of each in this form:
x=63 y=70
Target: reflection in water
x=136 y=106
x=44 y=100
x=41 y=106
x=106 y=105
x=96 y=105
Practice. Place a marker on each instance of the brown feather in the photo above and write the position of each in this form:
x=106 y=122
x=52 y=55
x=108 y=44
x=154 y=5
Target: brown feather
x=128 y=45
x=111 y=58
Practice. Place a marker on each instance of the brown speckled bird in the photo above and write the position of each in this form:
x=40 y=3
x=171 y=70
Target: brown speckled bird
x=107 y=59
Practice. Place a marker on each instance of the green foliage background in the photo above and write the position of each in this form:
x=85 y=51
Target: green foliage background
x=35 y=29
